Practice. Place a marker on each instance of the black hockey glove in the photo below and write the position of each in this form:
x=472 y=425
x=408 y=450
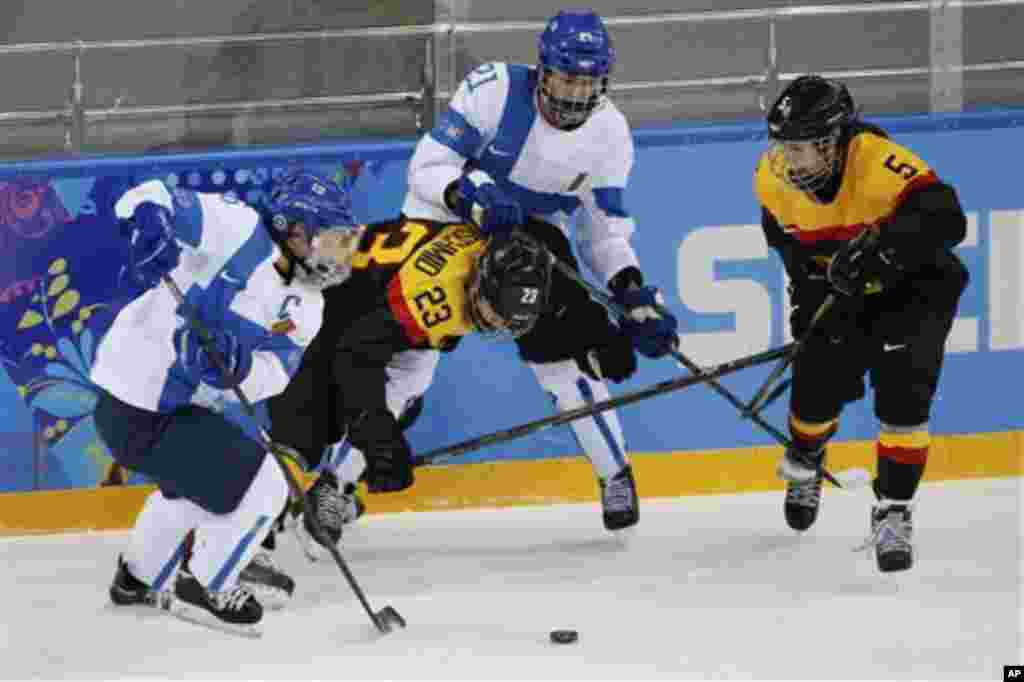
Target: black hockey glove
x=863 y=263
x=388 y=456
x=614 y=357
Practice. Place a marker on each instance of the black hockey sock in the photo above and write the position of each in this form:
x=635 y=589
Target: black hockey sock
x=898 y=480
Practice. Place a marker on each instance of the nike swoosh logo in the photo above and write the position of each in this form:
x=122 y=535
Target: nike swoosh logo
x=229 y=279
x=498 y=152
x=897 y=346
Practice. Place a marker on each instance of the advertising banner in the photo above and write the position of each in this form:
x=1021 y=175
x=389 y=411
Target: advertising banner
x=697 y=237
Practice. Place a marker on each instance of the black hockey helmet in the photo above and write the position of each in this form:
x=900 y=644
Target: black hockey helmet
x=806 y=125
x=509 y=287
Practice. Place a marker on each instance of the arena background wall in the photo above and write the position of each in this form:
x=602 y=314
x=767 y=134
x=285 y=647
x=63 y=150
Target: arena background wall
x=697 y=238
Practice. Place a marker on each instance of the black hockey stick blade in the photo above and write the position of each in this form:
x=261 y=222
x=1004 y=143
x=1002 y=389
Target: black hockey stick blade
x=385 y=619
x=448 y=452
x=389 y=619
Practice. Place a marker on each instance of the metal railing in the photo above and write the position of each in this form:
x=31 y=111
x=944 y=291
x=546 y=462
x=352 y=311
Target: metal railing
x=442 y=35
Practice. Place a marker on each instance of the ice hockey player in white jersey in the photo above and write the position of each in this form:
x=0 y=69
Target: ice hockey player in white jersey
x=253 y=276
x=537 y=146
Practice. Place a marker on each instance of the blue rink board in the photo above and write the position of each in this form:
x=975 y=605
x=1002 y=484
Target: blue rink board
x=697 y=238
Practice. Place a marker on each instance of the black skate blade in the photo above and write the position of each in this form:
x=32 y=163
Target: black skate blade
x=200 y=616
x=388 y=619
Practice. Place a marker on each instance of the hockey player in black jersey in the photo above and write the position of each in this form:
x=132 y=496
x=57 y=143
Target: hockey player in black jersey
x=859 y=217
x=414 y=285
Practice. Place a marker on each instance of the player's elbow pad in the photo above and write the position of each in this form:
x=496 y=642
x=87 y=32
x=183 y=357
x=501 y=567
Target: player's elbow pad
x=931 y=218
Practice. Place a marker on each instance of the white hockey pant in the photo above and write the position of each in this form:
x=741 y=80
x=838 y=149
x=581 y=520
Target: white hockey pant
x=600 y=436
x=223 y=545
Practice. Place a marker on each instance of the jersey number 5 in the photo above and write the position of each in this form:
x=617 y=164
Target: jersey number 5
x=905 y=170
x=431 y=303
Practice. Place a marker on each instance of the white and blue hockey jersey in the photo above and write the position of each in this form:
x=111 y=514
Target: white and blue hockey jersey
x=227 y=274
x=493 y=123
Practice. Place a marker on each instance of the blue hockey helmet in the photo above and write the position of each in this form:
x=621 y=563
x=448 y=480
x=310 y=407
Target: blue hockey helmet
x=576 y=58
x=310 y=199
x=323 y=209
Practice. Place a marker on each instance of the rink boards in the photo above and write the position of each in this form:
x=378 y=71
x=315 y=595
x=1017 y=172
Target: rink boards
x=542 y=482
x=697 y=238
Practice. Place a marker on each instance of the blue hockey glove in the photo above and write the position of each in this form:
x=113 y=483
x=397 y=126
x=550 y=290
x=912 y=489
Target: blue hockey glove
x=650 y=327
x=200 y=367
x=153 y=250
x=478 y=199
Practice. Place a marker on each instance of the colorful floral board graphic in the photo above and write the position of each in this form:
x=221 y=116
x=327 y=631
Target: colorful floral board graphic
x=60 y=290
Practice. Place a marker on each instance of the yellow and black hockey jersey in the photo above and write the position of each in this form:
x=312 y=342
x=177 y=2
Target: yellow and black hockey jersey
x=882 y=184
x=878 y=175
x=408 y=275
x=407 y=290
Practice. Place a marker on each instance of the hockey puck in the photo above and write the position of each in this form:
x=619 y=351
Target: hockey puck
x=564 y=636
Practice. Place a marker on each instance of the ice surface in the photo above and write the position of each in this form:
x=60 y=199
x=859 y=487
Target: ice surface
x=706 y=588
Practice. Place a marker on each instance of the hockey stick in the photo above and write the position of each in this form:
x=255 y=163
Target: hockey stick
x=445 y=453
x=387 y=617
x=616 y=309
x=865 y=239
x=758 y=402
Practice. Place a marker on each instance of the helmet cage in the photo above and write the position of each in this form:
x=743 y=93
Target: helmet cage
x=486 y=320
x=569 y=99
x=330 y=260
x=575 y=58
x=806 y=165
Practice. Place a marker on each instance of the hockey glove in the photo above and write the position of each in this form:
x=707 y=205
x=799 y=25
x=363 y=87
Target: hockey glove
x=198 y=366
x=388 y=456
x=864 y=263
x=153 y=250
x=475 y=197
x=613 y=358
x=651 y=328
